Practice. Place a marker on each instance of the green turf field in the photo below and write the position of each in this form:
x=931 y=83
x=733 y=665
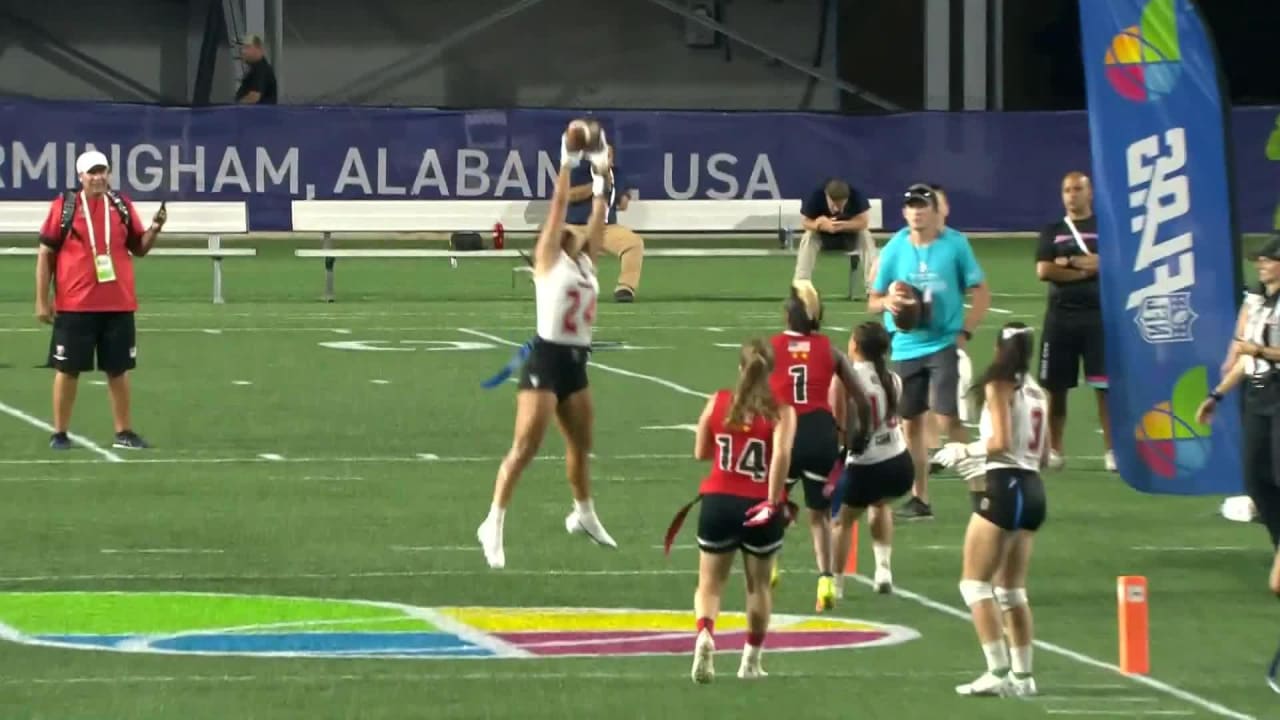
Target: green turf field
x=287 y=466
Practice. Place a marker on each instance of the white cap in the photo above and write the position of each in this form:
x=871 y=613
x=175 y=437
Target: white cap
x=89 y=160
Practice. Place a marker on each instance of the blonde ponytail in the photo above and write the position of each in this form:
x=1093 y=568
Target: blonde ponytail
x=753 y=397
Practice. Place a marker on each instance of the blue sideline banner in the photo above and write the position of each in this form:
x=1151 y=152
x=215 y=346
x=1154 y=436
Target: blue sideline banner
x=1002 y=169
x=1167 y=241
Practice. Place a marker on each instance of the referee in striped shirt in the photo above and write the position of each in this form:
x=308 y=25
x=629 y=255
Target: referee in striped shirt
x=1256 y=364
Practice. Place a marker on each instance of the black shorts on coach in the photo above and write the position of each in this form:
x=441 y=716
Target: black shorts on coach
x=1071 y=340
x=720 y=528
x=80 y=337
x=557 y=367
x=813 y=455
x=1014 y=499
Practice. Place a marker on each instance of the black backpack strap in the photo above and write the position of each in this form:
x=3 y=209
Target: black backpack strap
x=121 y=208
x=68 y=213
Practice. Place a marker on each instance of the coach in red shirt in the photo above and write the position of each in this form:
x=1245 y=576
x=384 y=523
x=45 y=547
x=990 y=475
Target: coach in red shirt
x=91 y=263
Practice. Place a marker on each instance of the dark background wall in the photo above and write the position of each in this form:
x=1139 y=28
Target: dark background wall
x=575 y=53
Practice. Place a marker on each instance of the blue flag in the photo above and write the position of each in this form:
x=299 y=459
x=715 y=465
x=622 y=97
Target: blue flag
x=1167 y=247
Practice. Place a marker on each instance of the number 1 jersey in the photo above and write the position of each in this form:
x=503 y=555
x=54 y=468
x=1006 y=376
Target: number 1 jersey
x=803 y=366
x=740 y=465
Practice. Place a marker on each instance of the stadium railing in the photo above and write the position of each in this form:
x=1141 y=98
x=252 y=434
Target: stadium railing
x=211 y=219
x=701 y=218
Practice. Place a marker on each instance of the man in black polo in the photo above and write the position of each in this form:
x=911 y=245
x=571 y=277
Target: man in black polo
x=835 y=216
x=258 y=86
x=1067 y=259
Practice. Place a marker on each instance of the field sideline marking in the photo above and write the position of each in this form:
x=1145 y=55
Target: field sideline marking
x=42 y=425
x=1163 y=687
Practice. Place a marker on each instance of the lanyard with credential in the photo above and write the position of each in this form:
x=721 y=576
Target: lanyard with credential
x=1076 y=234
x=106 y=226
x=102 y=265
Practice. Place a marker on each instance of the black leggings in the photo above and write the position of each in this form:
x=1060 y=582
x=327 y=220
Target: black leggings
x=1262 y=469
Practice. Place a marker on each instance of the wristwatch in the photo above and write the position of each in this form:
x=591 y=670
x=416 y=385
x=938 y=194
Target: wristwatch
x=967 y=335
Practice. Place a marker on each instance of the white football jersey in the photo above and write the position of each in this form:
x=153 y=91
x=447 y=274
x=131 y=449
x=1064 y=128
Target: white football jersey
x=1029 y=417
x=887 y=438
x=566 y=301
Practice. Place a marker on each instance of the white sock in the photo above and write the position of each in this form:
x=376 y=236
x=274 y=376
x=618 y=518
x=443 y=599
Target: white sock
x=882 y=553
x=751 y=653
x=496 y=515
x=997 y=654
x=584 y=507
x=1021 y=660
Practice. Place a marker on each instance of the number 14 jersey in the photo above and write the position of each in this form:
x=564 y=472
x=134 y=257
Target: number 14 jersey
x=1028 y=412
x=566 y=301
x=740 y=465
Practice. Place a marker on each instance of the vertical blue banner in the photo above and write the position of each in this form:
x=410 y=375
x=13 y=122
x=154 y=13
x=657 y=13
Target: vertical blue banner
x=1168 y=247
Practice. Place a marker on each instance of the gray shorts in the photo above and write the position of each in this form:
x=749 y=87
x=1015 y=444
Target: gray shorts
x=930 y=382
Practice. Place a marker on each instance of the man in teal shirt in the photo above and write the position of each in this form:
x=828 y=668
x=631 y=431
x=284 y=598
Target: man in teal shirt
x=939 y=262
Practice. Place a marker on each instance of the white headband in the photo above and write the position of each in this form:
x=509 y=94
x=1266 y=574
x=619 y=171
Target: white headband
x=1011 y=332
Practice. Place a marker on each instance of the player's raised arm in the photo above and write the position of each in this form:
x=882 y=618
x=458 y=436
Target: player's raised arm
x=550 y=241
x=601 y=190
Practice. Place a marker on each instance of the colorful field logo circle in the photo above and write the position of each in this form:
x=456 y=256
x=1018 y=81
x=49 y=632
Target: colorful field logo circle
x=268 y=626
x=1144 y=61
x=1170 y=441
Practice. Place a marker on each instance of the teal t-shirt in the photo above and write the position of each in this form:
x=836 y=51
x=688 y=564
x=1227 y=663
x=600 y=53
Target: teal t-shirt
x=945 y=268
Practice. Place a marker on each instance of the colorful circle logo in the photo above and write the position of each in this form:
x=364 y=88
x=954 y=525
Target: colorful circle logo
x=1144 y=60
x=267 y=626
x=1170 y=441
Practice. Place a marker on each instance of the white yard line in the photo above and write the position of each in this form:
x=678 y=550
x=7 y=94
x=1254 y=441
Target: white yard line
x=77 y=439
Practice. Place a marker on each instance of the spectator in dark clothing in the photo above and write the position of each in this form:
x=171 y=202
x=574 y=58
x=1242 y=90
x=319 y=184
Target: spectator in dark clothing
x=258 y=86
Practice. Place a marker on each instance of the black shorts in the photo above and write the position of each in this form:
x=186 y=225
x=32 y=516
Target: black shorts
x=80 y=336
x=930 y=382
x=1069 y=340
x=720 y=528
x=866 y=485
x=557 y=367
x=813 y=456
x=1014 y=499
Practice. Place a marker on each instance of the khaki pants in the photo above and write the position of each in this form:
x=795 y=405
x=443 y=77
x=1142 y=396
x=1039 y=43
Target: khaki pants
x=811 y=245
x=628 y=246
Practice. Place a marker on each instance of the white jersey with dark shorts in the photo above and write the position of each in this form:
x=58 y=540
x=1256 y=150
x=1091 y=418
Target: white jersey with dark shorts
x=566 y=310
x=884 y=470
x=1014 y=498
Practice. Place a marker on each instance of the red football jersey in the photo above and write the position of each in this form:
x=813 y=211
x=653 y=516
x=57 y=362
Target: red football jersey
x=742 y=454
x=76 y=286
x=803 y=366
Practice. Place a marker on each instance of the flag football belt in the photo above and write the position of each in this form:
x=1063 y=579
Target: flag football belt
x=789 y=512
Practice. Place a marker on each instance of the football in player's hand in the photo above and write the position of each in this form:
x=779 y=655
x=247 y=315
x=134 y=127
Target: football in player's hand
x=909 y=305
x=582 y=135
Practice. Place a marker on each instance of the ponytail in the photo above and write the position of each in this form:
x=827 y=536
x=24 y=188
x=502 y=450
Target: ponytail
x=753 y=397
x=873 y=346
x=1013 y=357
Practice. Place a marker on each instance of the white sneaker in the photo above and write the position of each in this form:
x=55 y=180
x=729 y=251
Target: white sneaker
x=1023 y=687
x=751 y=667
x=883 y=580
x=1110 y=460
x=1056 y=461
x=490 y=536
x=987 y=685
x=838 y=583
x=704 y=650
x=590 y=526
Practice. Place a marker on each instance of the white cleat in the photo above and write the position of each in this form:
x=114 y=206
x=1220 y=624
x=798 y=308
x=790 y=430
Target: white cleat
x=590 y=526
x=704 y=650
x=1023 y=687
x=490 y=536
x=883 y=580
x=1110 y=461
x=987 y=685
x=751 y=668
x=1056 y=461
